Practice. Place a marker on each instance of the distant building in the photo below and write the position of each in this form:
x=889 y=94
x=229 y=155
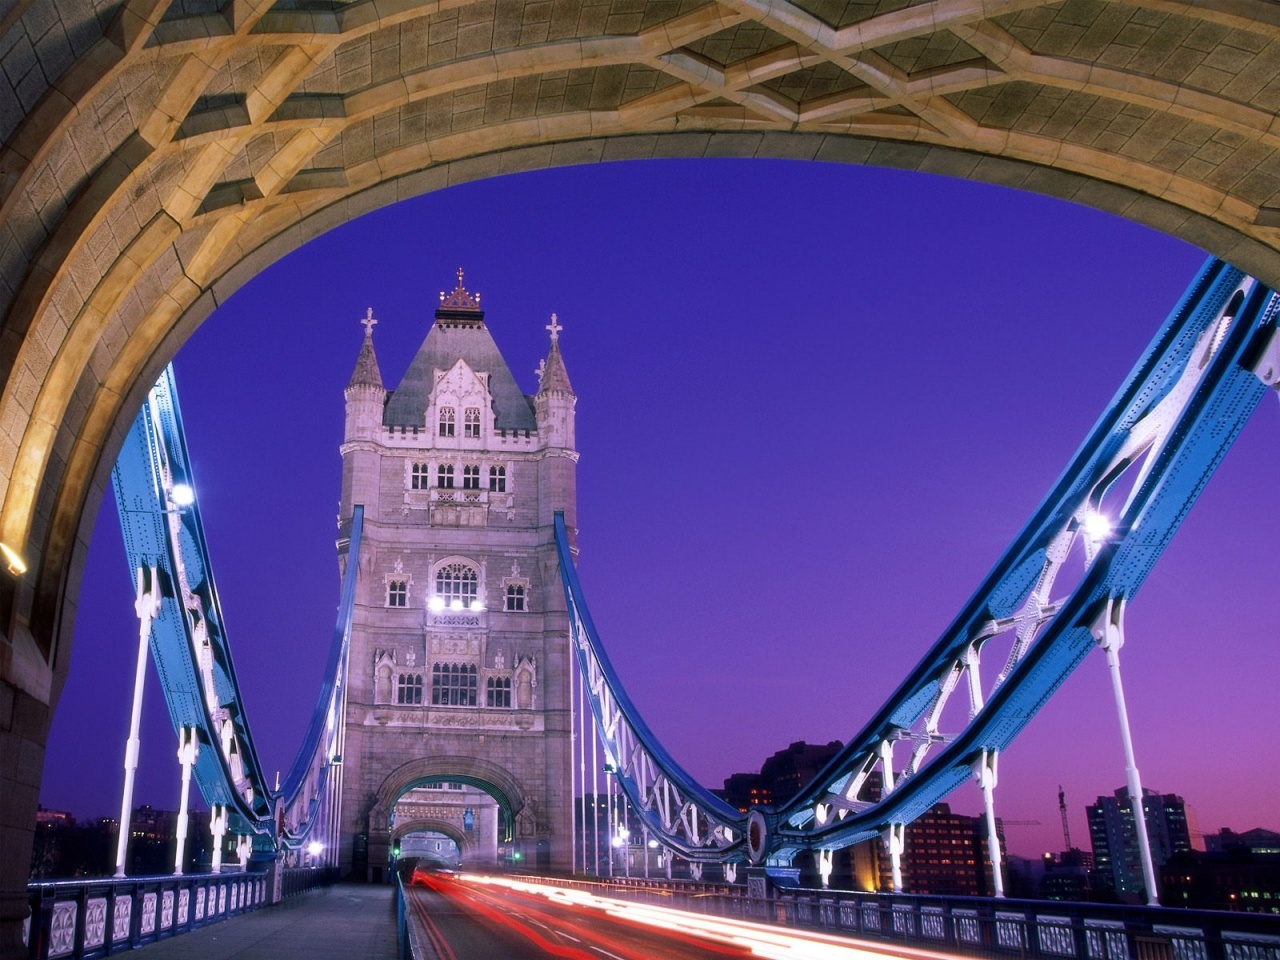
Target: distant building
x=1117 y=866
x=744 y=791
x=1067 y=876
x=1237 y=871
x=787 y=771
x=945 y=855
x=1256 y=841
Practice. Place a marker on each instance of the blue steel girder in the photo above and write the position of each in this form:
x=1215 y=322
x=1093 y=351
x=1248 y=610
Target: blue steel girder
x=188 y=636
x=679 y=812
x=1142 y=466
x=1162 y=437
x=189 y=643
x=321 y=751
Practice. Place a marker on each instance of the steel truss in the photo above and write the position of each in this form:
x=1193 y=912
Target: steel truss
x=1059 y=588
x=169 y=558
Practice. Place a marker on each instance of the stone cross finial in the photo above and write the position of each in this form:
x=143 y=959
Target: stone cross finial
x=542 y=369
x=369 y=322
x=555 y=328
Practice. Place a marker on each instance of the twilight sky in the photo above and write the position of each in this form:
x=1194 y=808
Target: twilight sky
x=815 y=404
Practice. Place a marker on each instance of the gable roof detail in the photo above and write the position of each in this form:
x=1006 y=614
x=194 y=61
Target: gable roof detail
x=459 y=333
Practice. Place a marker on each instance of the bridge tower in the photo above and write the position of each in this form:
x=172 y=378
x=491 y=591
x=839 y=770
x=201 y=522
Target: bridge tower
x=459 y=664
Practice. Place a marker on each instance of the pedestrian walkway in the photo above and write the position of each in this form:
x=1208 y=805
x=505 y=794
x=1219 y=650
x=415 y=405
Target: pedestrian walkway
x=345 y=921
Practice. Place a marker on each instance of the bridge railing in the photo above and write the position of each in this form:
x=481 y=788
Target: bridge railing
x=1004 y=929
x=93 y=918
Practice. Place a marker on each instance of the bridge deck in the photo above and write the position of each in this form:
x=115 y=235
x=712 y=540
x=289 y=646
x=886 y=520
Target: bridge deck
x=342 y=921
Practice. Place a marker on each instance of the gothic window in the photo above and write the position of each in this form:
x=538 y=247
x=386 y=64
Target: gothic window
x=421 y=478
x=446 y=421
x=471 y=422
x=497 y=692
x=397 y=593
x=457 y=587
x=515 y=597
x=497 y=479
x=409 y=688
x=444 y=476
x=471 y=477
x=453 y=685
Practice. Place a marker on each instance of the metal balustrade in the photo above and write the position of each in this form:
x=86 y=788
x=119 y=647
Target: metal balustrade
x=96 y=918
x=970 y=926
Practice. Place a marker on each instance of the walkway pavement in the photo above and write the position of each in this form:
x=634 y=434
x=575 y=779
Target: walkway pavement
x=345 y=921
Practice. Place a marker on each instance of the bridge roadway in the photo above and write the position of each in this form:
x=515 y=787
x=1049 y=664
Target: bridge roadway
x=469 y=918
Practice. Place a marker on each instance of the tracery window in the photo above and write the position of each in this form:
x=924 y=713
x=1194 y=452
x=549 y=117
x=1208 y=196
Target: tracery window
x=471 y=477
x=457 y=586
x=497 y=692
x=497 y=479
x=471 y=422
x=515 y=597
x=453 y=685
x=397 y=593
x=444 y=476
x=446 y=421
x=409 y=688
x=421 y=476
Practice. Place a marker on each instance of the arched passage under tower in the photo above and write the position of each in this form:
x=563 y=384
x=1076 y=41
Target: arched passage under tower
x=123 y=236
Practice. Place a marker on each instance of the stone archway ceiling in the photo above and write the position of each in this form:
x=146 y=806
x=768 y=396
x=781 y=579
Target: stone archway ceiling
x=151 y=146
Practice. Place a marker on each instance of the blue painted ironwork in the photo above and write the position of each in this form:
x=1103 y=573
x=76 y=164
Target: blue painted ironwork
x=188 y=637
x=189 y=641
x=321 y=751
x=94 y=918
x=1153 y=449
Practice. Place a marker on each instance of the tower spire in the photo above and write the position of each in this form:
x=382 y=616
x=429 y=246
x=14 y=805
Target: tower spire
x=366 y=373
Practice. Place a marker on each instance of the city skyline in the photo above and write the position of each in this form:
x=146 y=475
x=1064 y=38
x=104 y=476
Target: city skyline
x=791 y=478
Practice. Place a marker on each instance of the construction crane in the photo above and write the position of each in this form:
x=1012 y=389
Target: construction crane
x=1062 y=808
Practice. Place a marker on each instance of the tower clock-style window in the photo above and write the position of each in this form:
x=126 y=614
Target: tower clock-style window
x=471 y=477
x=421 y=476
x=446 y=421
x=409 y=688
x=453 y=685
x=497 y=692
x=444 y=476
x=397 y=593
x=457 y=586
x=497 y=479
x=471 y=422
x=515 y=597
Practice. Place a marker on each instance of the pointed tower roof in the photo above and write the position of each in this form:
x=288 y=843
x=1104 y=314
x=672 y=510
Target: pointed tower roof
x=459 y=333
x=366 y=373
x=552 y=374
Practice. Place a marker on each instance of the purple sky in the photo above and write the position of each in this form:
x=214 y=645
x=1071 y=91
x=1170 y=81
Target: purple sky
x=815 y=404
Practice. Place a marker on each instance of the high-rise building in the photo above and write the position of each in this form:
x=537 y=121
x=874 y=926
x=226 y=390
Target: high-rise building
x=1117 y=865
x=459 y=657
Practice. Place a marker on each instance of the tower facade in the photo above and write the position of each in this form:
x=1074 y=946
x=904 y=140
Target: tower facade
x=459 y=658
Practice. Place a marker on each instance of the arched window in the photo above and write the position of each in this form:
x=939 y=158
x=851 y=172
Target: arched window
x=497 y=692
x=444 y=476
x=497 y=479
x=409 y=688
x=515 y=597
x=421 y=476
x=471 y=422
x=471 y=477
x=446 y=421
x=397 y=593
x=457 y=587
x=453 y=685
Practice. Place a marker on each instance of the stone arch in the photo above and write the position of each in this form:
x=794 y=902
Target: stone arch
x=506 y=788
x=429 y=824
x=121 y=236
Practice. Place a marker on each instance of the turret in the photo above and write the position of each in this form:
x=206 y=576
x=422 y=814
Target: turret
x=554 y=408
x=366 y=398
